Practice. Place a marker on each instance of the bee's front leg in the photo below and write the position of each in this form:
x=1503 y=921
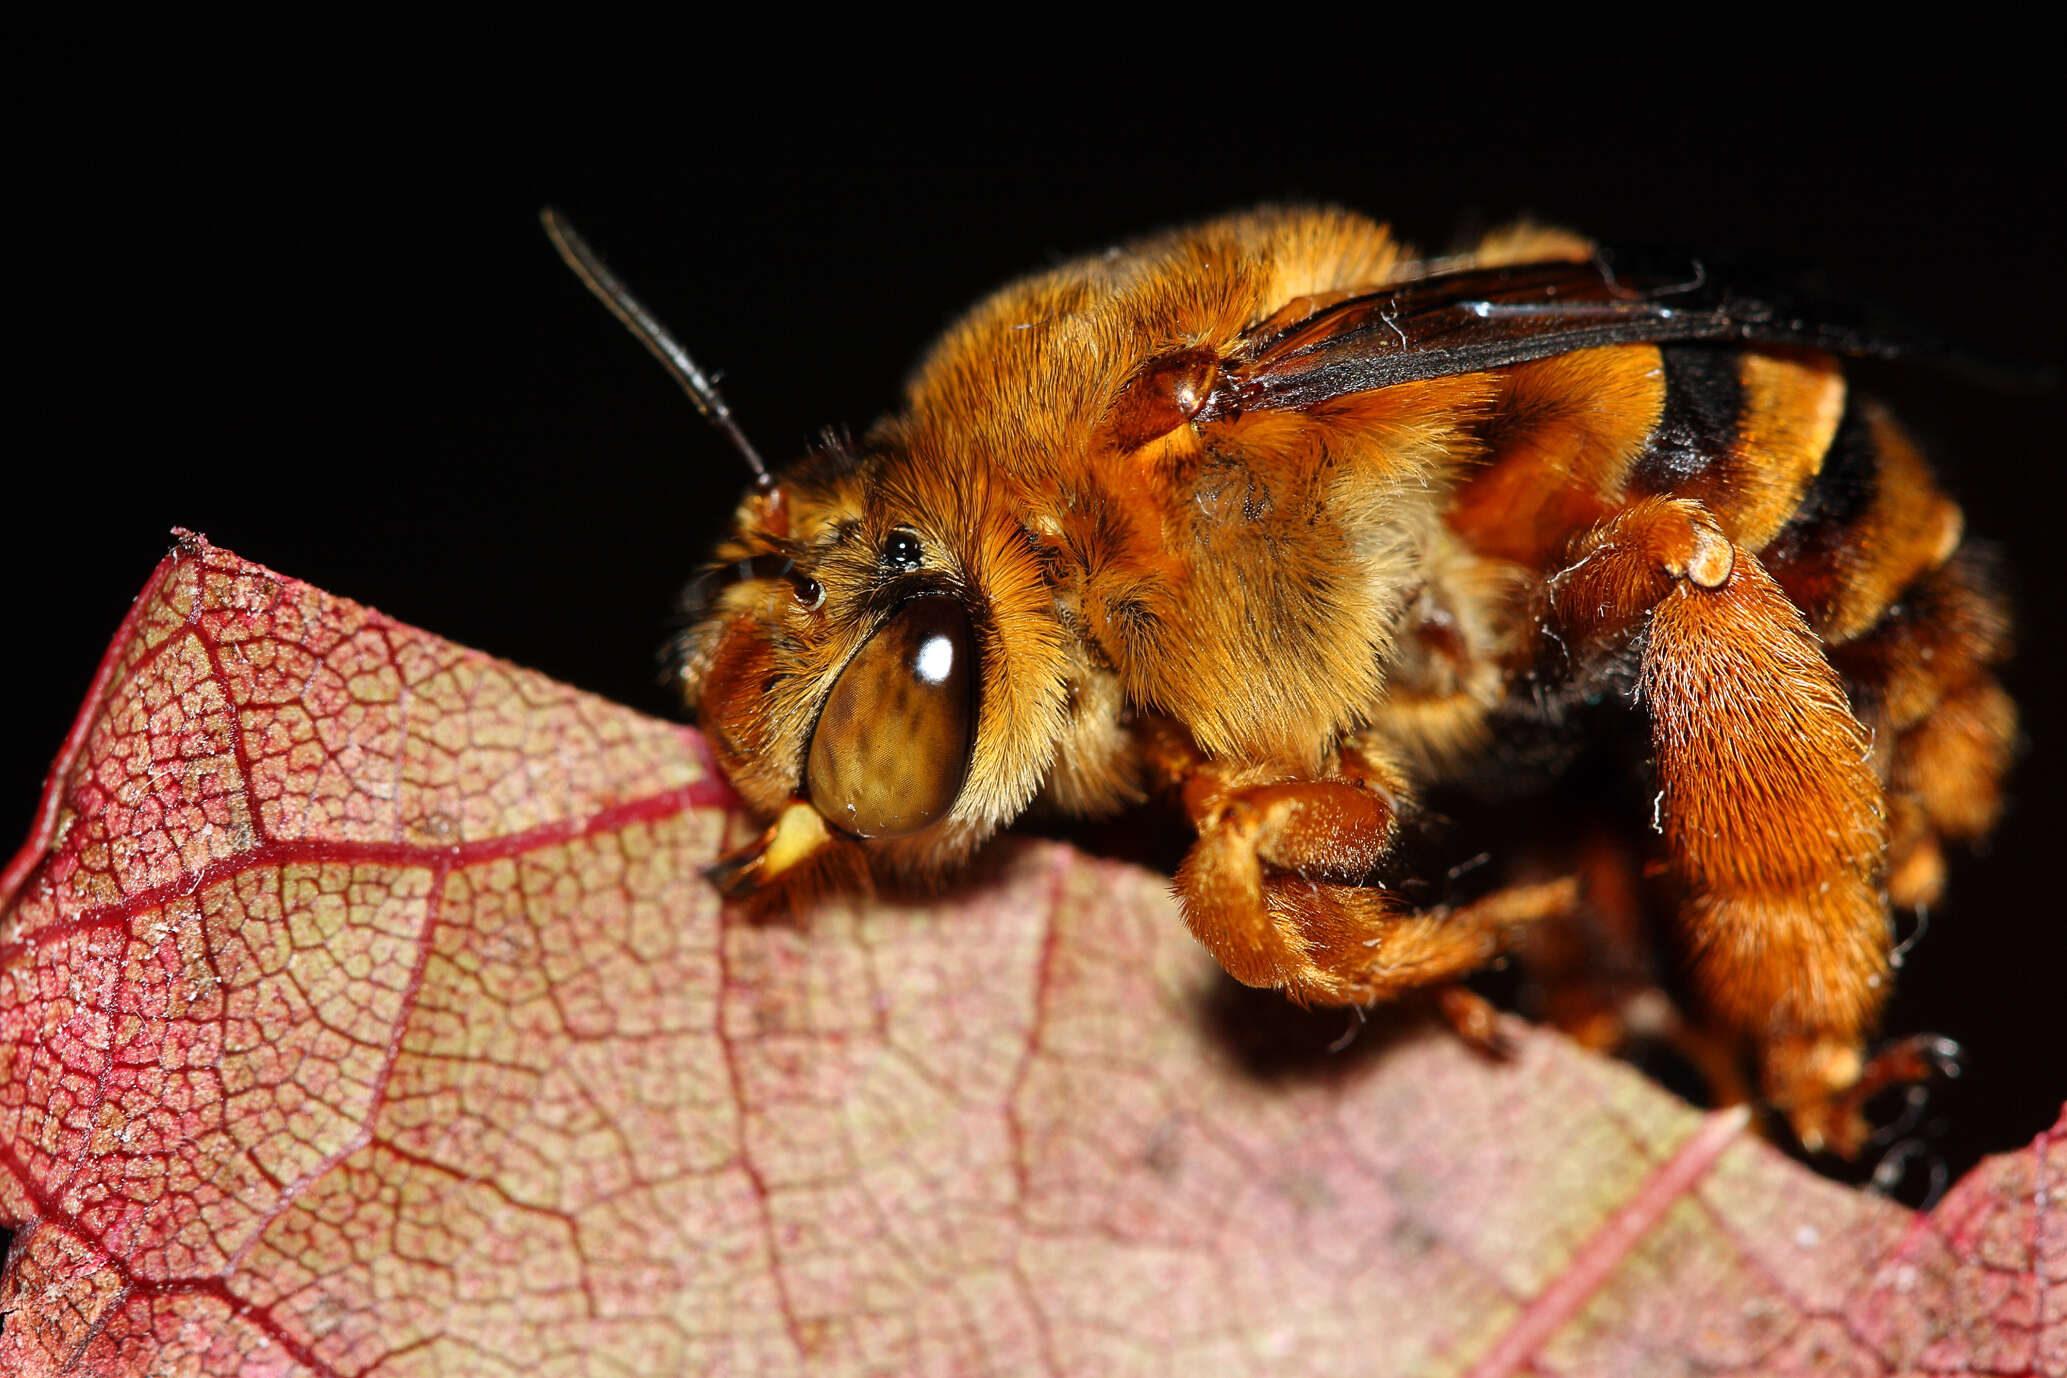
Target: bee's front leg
x=1774 y=822
x=1274 y=886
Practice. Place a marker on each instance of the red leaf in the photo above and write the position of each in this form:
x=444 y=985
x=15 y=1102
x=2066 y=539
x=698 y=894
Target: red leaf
x=362 y=1006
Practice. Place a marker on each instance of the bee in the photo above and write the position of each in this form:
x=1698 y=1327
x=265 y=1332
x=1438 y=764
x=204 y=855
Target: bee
x=1278 y=520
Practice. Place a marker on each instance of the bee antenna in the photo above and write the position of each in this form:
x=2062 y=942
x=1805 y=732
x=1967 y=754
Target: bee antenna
x=597 y=277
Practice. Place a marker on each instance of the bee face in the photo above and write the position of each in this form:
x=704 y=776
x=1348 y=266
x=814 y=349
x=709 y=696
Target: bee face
x=897 y=692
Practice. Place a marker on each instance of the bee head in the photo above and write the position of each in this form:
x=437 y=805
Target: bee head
x=876 y=663
x=875 y=655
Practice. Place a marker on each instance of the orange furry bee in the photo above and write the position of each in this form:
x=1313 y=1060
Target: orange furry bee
x=1280 y=521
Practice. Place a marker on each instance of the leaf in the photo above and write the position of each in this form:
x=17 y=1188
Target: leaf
x=363 y=1009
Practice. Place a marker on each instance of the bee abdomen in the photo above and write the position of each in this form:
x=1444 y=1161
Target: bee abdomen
x=1823 y=485
x=1922 y=679
x=1873 y=555
x=1746 y=433
x=1843 y=511
x=1871 y=524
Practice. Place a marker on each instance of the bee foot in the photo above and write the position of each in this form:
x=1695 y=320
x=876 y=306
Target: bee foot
x=1837 y=1122
x=1900 y=1163
x=1472 y=1017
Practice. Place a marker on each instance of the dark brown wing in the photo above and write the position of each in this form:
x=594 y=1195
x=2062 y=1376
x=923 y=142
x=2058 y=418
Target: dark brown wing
x=1483 y=318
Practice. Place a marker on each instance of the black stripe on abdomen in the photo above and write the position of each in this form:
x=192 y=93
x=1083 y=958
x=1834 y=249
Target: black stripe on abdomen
x=1698 y=428
x=1870 y=524
x=1841 y=493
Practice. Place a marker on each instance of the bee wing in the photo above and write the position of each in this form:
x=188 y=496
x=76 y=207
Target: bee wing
x=1482 y=318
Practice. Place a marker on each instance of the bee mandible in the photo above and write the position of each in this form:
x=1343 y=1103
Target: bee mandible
x=1276 y=519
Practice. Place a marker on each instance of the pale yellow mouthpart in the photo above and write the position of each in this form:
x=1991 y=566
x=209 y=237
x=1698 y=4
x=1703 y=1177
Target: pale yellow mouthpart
x=797 y=835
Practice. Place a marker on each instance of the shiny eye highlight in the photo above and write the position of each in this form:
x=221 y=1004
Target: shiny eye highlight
x=892 y=744
x=935 y=661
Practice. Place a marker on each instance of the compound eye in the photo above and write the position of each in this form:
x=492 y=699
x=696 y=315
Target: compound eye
x=892 y=743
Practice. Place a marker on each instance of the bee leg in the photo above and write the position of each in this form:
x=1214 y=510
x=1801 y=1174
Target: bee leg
x=1356 y=944
x=1593 y=976
x=1308 y=929
x=1273 y=889
x=1774 y=822
x=1474 y=1019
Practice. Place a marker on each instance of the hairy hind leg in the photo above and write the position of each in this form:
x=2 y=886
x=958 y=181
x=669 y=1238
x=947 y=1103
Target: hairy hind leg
x=1774 y=820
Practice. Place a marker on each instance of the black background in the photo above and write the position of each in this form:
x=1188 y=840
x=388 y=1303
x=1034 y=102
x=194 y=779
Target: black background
x=340 y=346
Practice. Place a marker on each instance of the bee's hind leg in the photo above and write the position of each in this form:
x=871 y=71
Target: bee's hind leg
x=1774 y=823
